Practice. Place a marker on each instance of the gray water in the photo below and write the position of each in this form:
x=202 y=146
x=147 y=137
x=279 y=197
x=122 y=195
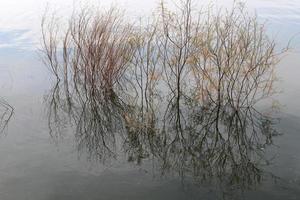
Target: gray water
x=34 y=166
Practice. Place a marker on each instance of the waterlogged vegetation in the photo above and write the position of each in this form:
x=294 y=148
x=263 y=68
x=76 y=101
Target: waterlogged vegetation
x=179 y=89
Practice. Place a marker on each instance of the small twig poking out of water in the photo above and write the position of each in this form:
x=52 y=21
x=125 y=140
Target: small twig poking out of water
x=6 y=113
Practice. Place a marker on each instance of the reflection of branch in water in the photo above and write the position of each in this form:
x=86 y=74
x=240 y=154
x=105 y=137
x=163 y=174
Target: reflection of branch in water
x=233 y=153
x=96 y=118
x=6 y=113
x=230 y=156
x=242 y=136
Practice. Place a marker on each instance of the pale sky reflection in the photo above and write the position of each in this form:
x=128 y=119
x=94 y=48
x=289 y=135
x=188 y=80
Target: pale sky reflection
x=19 y=15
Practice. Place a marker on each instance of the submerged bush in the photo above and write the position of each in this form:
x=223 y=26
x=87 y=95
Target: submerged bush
x=181 y=88
x=220 y=58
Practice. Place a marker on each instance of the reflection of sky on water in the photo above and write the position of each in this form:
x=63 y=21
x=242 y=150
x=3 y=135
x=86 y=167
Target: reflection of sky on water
x=20 y=20
x=14 y=39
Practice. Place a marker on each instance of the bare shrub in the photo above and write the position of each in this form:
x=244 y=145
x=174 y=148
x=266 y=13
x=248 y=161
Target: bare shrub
x=223 y=58
x=235 y=59
x=94 y=48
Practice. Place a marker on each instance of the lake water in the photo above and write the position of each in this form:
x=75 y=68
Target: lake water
x=35 y=166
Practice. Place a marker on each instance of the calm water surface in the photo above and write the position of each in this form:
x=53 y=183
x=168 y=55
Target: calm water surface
x=34 y=166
